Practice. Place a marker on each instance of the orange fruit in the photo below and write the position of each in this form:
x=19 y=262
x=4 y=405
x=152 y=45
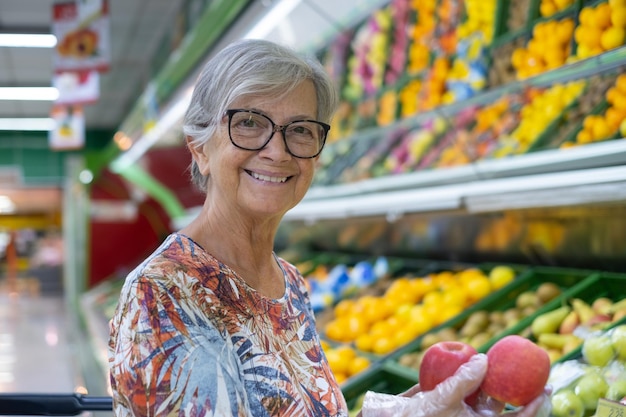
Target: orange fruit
x=547 y=8
x=613 y=37
x=477 y=288
x=618 y=17
x=336 y=362
x=356 y=325
x=562 y=4
x=364 y=342
x=518 y=58
x=586 y=16
x=602 y=16
x=565 y=30
x=588 y=36
x=340 y=377
x=383 y=345
x=403 y=336
x=584 y=136
x=358 y=364
x=600 y=129
x=324 y=344
x=614 y=117
x=620 y=102
x=344 y=307
x=620 y=83
x=611 y=94
x=589 y=121
x=334 y=330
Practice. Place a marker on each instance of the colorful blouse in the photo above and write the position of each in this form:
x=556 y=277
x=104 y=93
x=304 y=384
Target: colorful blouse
x=191 y=338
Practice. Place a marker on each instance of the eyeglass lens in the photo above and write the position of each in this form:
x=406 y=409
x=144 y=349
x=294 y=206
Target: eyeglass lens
x=252 y=131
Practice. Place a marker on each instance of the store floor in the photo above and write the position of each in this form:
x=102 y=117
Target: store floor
x=42 y=349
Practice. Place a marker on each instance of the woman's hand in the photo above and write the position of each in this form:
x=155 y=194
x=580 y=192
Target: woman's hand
x=446 y=399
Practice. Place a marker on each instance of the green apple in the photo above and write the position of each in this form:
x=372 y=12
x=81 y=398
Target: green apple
x=567 y=404
x=616 y=391
x=598 y=350
x=589 y=388
x=618 y=340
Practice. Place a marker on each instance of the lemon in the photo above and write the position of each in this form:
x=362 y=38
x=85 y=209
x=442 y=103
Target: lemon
x=500 y=276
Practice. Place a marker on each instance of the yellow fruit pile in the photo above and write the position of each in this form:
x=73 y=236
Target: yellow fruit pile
x=387 y=105
x=480 y=18
x=408 y=308
x=421 y=32
x=344 y=361
x=597 y=127
x=549 y=48
x=550 y=7
x=601 y=28
x=536 y=116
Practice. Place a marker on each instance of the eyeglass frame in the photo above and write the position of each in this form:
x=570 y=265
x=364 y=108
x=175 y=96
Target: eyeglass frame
x=276 y=128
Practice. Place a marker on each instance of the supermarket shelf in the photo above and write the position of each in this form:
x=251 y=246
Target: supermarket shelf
x=595 y=155
x=586 y=175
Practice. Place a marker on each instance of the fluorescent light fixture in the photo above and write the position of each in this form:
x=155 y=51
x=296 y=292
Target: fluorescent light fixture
x=16 y=40
x=32 y=124
x=271 y=19
x=29 y=93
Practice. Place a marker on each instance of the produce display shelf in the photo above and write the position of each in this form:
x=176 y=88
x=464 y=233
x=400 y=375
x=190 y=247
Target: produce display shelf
x=389 y=376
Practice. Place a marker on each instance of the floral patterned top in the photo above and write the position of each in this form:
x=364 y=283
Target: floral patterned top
x=191 y=338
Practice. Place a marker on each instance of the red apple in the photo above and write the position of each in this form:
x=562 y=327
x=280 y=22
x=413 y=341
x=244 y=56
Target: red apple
x=517 y=371
x=441 y=361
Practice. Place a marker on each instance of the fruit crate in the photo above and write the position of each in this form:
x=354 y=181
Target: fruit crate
x=384 y=379
x=604 y=284
x=569 y=280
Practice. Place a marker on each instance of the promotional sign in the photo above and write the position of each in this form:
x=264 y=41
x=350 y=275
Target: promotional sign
x=69 y=131
x=77 y=87
x=82 y=31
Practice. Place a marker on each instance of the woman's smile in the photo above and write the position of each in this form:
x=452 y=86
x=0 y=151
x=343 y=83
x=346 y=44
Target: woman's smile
x=267 y=177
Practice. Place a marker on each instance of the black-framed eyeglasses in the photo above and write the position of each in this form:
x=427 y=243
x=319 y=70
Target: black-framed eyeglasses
x=252 y=131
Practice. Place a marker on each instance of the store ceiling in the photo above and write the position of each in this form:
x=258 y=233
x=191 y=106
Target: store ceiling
x=137 y=28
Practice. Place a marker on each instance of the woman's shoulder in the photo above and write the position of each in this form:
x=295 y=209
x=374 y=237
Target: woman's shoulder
x=177 y=258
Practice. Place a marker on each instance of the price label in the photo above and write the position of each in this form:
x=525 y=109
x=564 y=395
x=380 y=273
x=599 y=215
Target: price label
x=608 y=408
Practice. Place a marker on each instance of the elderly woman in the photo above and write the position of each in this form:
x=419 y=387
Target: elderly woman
x=214 y=323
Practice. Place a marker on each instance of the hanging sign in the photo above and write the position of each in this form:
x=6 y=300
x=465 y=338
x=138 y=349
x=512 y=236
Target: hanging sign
x=77 y=87
x=69 y=130
x=82 y=31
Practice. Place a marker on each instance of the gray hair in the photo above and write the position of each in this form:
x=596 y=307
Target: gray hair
x=250 y=68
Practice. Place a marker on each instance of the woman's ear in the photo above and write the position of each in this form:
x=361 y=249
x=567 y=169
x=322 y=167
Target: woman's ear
x=198 y=153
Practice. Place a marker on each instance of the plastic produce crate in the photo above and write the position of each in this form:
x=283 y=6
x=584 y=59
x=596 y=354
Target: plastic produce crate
x=569 y=280
x=378 y=379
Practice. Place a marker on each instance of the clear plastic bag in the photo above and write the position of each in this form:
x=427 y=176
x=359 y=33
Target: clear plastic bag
x=446 y=399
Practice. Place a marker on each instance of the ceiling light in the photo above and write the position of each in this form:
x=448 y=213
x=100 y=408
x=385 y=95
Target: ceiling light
x=7 y=205
x=29 y=93
x=31 y=124
x=16 y=40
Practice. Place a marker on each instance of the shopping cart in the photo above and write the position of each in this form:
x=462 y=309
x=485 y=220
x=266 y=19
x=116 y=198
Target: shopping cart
x=51 y=404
